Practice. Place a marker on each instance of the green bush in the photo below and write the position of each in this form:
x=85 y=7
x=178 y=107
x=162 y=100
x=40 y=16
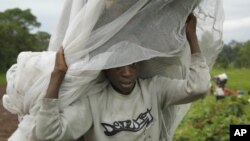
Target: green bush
x=209 y=120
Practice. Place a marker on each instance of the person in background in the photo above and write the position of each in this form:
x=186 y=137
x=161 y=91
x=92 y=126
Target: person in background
x=221 y=90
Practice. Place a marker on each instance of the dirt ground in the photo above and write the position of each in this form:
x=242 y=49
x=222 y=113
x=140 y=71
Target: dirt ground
x=8 y=121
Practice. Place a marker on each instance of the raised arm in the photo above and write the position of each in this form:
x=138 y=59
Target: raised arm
x=57 y=75
x=196 y=84
x=191 y=34
x=67 y=124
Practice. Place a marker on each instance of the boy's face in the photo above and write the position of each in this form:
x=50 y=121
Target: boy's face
x=123 y=79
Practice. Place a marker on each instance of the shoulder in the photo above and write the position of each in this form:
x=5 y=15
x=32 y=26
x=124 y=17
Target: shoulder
x=154 y=81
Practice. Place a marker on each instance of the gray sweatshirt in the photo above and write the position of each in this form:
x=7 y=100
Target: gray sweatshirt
x=111 y=116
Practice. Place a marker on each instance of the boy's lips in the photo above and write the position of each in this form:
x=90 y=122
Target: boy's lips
x=127 y=84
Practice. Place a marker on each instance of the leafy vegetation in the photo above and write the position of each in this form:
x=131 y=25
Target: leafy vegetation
x=209 y=120
x=16 y=27
x=234 y=55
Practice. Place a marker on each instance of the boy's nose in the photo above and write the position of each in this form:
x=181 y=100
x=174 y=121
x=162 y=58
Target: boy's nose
x=127 y=71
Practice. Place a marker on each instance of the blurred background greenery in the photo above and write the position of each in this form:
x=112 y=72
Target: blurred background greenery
x=209 y=120
x=19 y=32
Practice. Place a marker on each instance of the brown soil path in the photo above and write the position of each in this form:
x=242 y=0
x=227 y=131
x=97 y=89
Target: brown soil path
x=8 y=121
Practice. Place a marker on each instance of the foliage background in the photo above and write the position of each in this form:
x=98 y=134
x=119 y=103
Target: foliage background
x=19 y=32
x=209 y=120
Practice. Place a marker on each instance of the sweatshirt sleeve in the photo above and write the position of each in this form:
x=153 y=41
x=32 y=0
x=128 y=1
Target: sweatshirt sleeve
x=175 y=91
x=69 y=124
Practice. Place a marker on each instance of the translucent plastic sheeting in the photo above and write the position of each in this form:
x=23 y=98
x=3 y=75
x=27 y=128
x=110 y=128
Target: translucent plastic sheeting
x=102 y=34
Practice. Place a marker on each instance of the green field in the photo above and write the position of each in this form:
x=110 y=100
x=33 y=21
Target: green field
x=2 y=79
x=209 y=120
x=239 y=79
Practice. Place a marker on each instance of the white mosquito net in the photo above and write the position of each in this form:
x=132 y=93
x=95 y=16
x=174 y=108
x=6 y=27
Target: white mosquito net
x=102 y=34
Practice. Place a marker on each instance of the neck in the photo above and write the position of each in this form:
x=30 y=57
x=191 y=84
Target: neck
x=123 y=92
